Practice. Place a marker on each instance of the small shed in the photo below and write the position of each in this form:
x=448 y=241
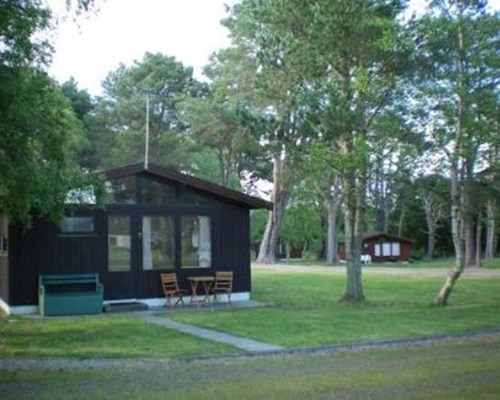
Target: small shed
x=156 y=219
x=383 y=247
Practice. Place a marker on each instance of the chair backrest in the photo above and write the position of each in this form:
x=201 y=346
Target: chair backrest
x=223 y=280
x=169 y=282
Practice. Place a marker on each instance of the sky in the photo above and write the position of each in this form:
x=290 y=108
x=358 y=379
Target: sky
x=123 y=30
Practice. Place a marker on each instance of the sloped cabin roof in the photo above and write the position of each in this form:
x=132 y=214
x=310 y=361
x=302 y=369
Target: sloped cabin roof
x=374 y=236
x=171 y=174
x=382 y=235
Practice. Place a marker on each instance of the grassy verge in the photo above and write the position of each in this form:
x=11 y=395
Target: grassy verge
x=101 y=337
x=455 y=369
x=305 y=310
x=493 y=264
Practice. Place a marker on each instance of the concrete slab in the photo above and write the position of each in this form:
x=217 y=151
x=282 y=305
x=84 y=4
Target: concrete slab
x=245 y=344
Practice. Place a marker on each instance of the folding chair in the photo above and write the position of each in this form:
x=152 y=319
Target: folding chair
x=171 y=289
x=223 y=285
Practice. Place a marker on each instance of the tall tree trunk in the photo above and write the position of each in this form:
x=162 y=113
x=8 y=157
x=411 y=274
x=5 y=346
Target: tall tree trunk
x=479 y=228
x=429 y=216
x=280 y=197
x=489 y=251
x=430 y=245
x=354 y=204
x=332 y=238
x=4 y=258
x=456 y=190
x=401 y=221
x=458 y=241
x=468 y=227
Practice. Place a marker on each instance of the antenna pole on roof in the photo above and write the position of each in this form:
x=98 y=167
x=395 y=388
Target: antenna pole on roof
x=146 y=146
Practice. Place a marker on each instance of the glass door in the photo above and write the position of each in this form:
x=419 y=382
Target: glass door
x=158 y=242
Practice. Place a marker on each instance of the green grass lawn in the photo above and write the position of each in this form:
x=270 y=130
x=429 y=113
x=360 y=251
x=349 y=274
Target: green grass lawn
x=304 y=309
x=109 y=336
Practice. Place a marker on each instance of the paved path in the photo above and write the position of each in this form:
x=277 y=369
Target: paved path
x=248 y=345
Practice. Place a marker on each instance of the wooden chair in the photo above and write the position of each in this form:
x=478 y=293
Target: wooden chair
x=223 y=285
x=171 y=289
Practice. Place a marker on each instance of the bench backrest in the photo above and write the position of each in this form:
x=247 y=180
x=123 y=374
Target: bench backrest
x=69 y=282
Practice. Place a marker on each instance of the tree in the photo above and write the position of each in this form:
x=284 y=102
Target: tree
x=37 y=126
x=432 y=194
x=302 y=228
x=220 y=122
x=277 y=93
x=356 y=51
x=343 y=57
x=157 y=84
x=83 y=105
x=458 y=40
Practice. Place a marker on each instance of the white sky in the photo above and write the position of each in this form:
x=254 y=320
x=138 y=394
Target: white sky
x=123 y=30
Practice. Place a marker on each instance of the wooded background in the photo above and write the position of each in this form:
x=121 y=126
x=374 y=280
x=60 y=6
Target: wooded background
x=355 y=116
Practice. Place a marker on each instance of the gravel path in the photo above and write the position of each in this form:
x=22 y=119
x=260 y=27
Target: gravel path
x=371 y=269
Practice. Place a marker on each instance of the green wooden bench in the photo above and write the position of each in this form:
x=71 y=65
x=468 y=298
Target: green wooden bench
x=70 y=294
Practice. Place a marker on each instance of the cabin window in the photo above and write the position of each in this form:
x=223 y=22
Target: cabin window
x=196 y=244
x=118 y=243
x=158 y=242
x=157 y=194
x=122 y=191
x=395 y=251
x=77 y=225
x=388 y=249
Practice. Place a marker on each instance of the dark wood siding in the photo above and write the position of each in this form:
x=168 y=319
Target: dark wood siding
x=43 y=249
x=369 y=243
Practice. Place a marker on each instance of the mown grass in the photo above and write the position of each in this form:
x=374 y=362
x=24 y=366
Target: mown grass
x=99 y=337
x=304 y=309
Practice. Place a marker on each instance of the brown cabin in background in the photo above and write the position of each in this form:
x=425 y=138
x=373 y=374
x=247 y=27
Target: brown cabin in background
x=383 y=247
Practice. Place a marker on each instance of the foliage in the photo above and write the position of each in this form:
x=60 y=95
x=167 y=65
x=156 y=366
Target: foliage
x=157 y=80
x=302 y=228
x=38 y=128
x=39 y=132
x=223 y=125
x=20 y=22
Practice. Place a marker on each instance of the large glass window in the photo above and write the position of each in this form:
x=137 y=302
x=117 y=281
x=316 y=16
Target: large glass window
x=118 y=243
x=156 y=193
x=196 y=242
x=122 y=191
x=158 y=242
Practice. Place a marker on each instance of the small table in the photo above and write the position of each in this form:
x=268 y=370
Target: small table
x=206 y=283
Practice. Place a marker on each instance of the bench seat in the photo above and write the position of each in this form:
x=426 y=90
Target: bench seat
x=71 y=294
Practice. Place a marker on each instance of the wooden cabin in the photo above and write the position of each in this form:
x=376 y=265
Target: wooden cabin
x=155 y=220
x=383 y=247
